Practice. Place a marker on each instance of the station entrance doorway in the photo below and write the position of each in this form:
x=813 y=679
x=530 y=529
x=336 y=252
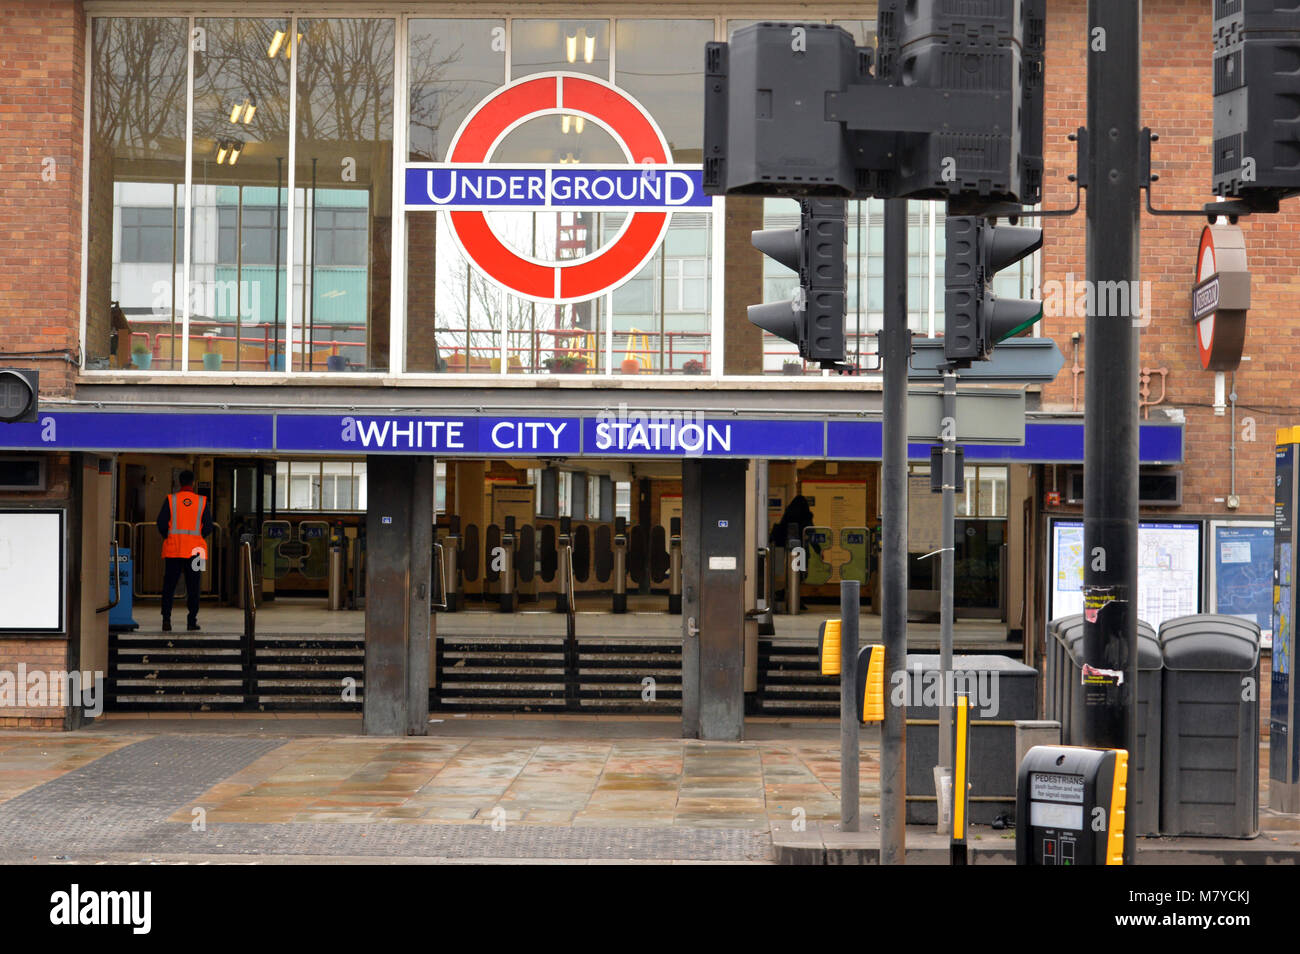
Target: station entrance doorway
x=577 y=585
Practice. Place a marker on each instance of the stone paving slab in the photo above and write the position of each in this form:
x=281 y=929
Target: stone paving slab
x=123 y=795
x=103 y=791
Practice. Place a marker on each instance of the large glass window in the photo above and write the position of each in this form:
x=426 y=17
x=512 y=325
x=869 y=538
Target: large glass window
x=460 y=321
x=136 y=201
x=322 y=486
x=228 y=232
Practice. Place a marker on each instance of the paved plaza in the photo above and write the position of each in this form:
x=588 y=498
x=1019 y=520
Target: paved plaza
x=312 y=788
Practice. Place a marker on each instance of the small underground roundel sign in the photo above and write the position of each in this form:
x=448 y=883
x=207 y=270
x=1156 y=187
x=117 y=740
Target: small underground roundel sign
x=1221 y=297
x=649 y=187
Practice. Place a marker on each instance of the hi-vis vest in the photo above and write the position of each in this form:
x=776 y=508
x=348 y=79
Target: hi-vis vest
x=185 y=533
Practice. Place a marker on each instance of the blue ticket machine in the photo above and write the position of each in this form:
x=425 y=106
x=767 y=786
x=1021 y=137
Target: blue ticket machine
x=120 y=583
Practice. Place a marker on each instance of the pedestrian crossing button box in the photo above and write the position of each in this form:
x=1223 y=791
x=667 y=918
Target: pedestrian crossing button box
x=1070 y=806
x=828 y=647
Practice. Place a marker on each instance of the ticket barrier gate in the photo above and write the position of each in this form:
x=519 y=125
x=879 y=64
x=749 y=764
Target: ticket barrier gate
x=506 y=596
x=675 y=567
x=795 y=561
x=450 y=548
x=338 y=569
x=526 y=563
x=564 y=600
x=765 y=590
x=620 y=565
x=1070 y=806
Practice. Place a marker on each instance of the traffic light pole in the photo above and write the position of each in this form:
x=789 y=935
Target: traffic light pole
x=948 y=437
x=1110 y=455
x=895 y=351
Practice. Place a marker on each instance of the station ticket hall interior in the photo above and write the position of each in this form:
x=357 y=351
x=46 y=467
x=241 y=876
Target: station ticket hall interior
x=552 y=585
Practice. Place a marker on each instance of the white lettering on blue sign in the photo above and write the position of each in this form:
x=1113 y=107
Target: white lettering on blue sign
x=408 y=433
x=483 y=186
x=523 y=435
x=467 y=434
x=663 y=436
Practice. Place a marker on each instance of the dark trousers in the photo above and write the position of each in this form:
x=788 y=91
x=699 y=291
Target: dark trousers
x=172 y=571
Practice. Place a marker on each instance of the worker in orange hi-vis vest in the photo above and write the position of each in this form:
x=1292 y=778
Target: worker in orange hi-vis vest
x=184 y=520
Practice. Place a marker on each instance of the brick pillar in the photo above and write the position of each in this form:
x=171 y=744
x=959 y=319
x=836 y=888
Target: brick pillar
x=421 y=285
x=744 y=347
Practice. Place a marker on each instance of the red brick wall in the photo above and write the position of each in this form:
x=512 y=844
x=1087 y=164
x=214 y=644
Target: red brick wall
x=1176 y=103
x=44 y=654
x=41 y=99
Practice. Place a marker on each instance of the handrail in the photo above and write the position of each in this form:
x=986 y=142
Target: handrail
x=571 y=660
x=570 y=614
x=248 y=643
x=440 y=578
x=116 y=587
x=246 y=580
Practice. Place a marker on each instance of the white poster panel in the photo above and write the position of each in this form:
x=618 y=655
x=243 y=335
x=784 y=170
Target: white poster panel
x=1169 y=570
x=31 y=571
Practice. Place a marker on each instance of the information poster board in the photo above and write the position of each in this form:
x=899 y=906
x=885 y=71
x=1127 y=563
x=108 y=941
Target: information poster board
x=924 y=515
x=32 y=571
x=1169 y=570
x=512 y=500
x=1241 y=573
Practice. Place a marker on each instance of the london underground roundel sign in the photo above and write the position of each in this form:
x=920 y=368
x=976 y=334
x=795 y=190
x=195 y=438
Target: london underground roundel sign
x=1221 y=297
x=649 y=187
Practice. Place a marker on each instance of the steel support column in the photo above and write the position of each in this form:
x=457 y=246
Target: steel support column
x=895 y=348
x=399 y=548
x=1110 y=453
x=713 y=598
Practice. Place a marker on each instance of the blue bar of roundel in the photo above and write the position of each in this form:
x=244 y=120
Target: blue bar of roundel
x=113 y=431
x=525 y=181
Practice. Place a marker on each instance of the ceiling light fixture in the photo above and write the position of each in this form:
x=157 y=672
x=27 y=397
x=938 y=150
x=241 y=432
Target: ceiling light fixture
x=571 y=48
x=278 y=43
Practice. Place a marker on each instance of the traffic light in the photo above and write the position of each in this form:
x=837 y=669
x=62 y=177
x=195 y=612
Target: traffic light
x=975 y=319
x=952 y=110
x=991 y=51
x=19 y=392
x=814 y=318
x=1256 y=147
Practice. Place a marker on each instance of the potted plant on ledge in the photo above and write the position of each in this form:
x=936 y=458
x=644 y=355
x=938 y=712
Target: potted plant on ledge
x=211 y=356
x=566 y=364
x=792 y=368
x=140 y=356
x=693 y=367
x=631 y=365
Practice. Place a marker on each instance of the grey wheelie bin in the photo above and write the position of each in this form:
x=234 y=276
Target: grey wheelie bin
x=1210 y=758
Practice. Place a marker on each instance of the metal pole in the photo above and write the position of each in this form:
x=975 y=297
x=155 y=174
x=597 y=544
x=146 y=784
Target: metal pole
x=1110 y=454
x=849 y=725
x=948 y=436
x=275 y=338
x=895 y=349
